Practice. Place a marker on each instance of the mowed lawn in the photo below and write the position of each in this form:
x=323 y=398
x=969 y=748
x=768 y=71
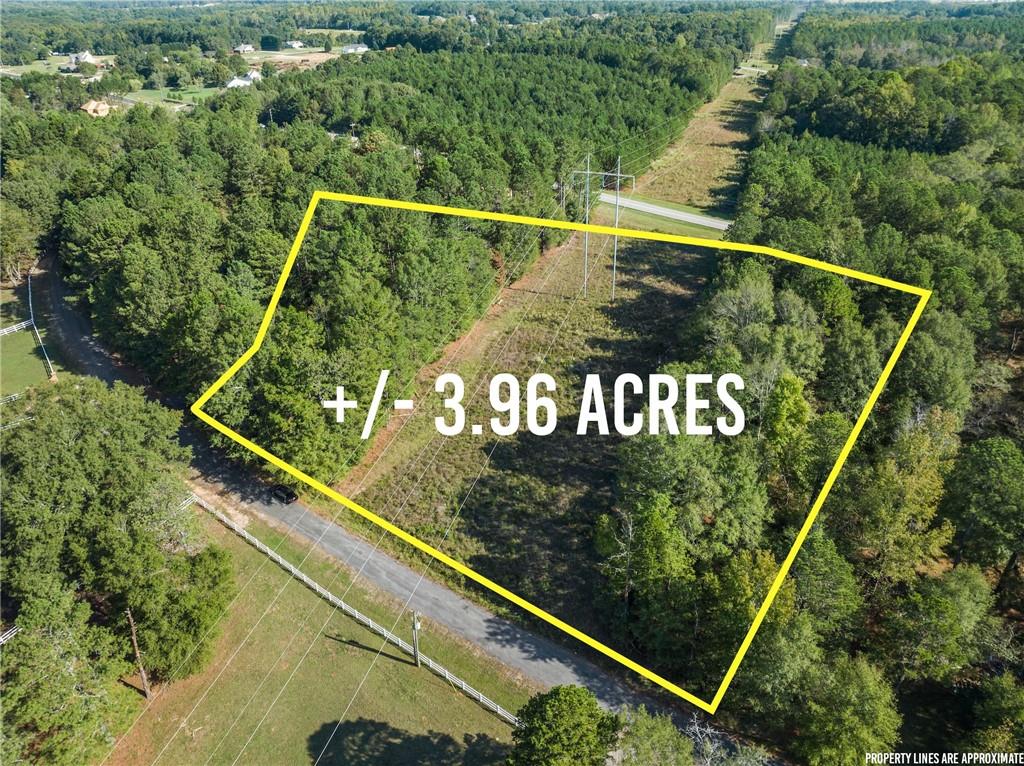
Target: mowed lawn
x=390 y=712
x=189 y=95
x=21 y=363
x=21 y=360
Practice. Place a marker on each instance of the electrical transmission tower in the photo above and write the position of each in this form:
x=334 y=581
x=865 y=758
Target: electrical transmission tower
x=618 y=178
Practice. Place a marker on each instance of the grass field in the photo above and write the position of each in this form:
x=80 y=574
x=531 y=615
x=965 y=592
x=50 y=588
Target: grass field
x=49 y=65
x=702 y=168
x=21 y=364
x=399 y=715
x=302 y=58
x=189 y=95
x=21 y=360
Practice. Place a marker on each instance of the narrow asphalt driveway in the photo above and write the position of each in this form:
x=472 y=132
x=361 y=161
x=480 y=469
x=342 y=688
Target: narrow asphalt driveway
x=721 y=224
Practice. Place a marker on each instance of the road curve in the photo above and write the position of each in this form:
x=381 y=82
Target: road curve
x=667 y=212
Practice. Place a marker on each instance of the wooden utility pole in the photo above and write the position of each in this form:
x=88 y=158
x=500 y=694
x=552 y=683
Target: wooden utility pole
x=416 y=637
x=138 y=654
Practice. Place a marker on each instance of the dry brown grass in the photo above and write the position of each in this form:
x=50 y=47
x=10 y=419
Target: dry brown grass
x=701 y=169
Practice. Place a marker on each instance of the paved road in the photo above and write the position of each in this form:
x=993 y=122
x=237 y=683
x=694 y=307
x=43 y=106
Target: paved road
x=537 y=658
x=667 y=212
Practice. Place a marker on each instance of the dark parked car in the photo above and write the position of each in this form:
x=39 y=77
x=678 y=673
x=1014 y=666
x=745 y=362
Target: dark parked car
x=284 y=494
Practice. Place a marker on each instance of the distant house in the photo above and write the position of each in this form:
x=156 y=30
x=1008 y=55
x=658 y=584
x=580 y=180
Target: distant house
x=95 y=108
x=472 y=18
x=82 y=58
x=356 y=48
x=245 y=80
x=294 y=44
x=243 y=48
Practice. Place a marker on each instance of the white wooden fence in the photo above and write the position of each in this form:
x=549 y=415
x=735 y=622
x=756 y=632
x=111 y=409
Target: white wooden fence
x=358 y=616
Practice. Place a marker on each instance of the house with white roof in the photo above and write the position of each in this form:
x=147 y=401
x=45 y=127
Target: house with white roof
x=245 y=80
x=82 y=58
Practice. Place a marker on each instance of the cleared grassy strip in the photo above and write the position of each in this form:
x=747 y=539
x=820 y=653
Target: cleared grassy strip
x=401 y=715
x=701 y=169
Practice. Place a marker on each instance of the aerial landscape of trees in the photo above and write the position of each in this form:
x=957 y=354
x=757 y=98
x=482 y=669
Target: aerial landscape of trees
x=888 y=141
x=94 y=525
x=176 y=280
x=909 y=588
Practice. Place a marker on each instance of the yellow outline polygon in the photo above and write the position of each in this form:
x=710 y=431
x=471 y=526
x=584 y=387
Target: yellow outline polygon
x=712 y=706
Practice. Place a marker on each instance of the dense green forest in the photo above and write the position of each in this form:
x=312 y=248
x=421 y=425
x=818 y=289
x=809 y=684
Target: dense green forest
x=888 y=36
x=890 y=142
x=171 y=229
x=174 y=228
x=94 y=525
x=905 y=601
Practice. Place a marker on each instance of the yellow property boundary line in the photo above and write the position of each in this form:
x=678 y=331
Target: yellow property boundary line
x=712 y=706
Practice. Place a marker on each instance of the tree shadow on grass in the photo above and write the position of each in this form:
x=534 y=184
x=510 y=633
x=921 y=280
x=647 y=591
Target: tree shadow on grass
x=365 y=742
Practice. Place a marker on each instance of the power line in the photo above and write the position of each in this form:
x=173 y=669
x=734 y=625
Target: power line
x=305 y=510
x=394 y=517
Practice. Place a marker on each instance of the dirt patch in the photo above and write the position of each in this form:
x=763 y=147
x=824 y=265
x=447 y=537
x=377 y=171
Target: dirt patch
x=289 y=62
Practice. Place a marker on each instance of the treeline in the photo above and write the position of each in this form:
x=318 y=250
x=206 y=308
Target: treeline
x=930 y=109
x=113 y=27
x=910 y=584
x=918 y=33
x=174 y=229
x=94 y=525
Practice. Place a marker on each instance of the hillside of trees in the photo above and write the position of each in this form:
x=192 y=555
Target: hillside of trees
x=908 y=591
x=93 y=525
x=174 y=228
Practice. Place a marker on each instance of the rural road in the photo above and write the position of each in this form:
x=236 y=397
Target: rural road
x=667 y=212
x=537 y=658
